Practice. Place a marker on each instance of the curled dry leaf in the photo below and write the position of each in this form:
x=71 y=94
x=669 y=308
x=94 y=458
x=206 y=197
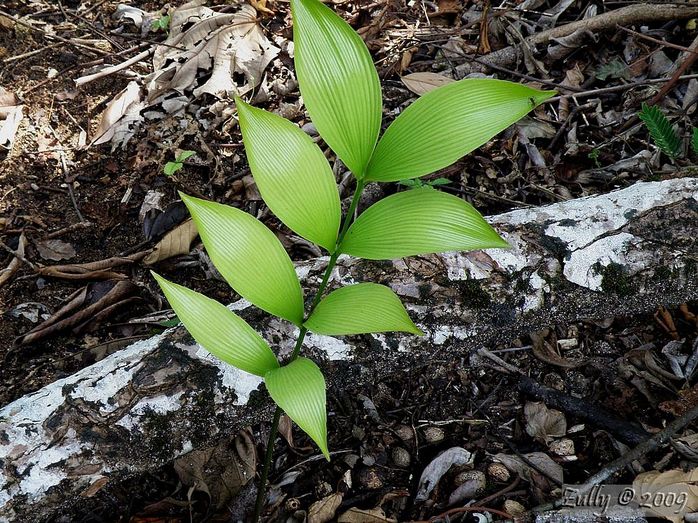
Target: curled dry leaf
x=545 y=351
x=120 y=119
x=433 y=472
x=10 y=117
x=357 y=515
x=672 y=484
x=55 y=250
x=323 y=510
x=175 y=243
x=220 y=472
x=217 y=45
x=7 y=272
x=88 y=306
x=543 y=423
x=523 y=469
x=420 y=83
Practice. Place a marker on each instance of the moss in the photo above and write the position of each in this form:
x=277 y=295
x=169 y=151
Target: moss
x=162 y=440
x=473 y=294
x=614 y=279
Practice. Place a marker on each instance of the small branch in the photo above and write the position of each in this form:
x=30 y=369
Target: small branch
x=113 y=69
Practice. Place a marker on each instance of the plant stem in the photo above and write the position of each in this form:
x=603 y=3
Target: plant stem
x=348 y=219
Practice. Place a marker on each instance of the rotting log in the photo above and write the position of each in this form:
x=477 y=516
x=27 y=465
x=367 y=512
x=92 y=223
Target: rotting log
x=621 y=253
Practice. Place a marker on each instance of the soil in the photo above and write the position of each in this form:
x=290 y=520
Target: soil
x=53 y=186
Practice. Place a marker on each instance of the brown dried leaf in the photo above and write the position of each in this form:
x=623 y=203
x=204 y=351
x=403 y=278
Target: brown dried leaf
x=323 y=510
x=7 y=272
x=668 y=485
x=219 y=44
x=420 y=83
x=55 y=250
x=175 y=243
x=543 y=423
x=219 y=471
x=10 y=117
x=357 y=515
x=544 y=351
x=120 y=117
x=524 y=470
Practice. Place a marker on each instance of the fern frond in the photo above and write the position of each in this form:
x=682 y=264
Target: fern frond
x=660 y=129
x=694 y=140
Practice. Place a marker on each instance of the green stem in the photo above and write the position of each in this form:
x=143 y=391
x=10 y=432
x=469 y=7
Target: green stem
x=349 y=218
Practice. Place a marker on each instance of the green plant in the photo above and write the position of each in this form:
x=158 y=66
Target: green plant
x=660 y=129
x=342 y=94
x=418 y=184
x=161 y=24
x=172 y=167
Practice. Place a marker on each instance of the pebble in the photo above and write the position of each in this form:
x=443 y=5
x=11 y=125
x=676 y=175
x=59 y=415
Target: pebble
x=514 y=508
x=562 y=447
x=401 y=457
x=433 y=434
x=498 y=472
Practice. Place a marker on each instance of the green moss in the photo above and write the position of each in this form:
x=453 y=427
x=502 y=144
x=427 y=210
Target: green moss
x=614 y=279
x=473 y=294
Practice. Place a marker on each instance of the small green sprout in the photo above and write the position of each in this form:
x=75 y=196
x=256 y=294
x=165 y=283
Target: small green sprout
x=661 y=131
x=161 y=24
x=172 y=167
x=418 y=184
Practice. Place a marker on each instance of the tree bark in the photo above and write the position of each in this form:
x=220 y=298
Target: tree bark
x=622 y=253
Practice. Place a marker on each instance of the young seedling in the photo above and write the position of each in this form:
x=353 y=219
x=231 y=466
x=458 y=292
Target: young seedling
x=342 y=94
x=172 y=167
x=419 y=184
x=661 y=131
x=161 y=24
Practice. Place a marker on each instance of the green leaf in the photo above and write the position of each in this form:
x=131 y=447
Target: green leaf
x=218 y=330
x=292 y=175
x=447 y=123
x=418 y=221
x=338 y=81
x=358 y=309
x=299 y=389
x=171 y=168
x=694 y=140
x=185 y=155
x=660 y=130
x=249 y=256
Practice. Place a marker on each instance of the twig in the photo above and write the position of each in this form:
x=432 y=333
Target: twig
x=686 y=60
x=663 y=43
x=628 y=15
x=17 y=254
x=618 y=88
x=68 y=41
x=113 y=69
x=30 y=53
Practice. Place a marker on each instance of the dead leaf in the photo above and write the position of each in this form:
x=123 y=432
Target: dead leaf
x=55 y=250
x=545 y=351
x=10 y=117
x=217 y=45
x=323 y=510
x=524 y=470
x=435 y=470
x=420 y=83
x=95 y=487
x=286 y=430
x=15 y=262
x=668 y=485
x=543 y=423
x=98 y=270
x=120 y=119
x=175 y=243
x=221 y=471
x=87 y=306
x=357 y=515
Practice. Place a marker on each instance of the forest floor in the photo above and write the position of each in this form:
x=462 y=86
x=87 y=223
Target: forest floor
x=84 y=201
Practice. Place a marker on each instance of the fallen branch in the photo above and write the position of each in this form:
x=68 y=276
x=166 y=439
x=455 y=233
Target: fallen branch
x=619 y=254
x=629 y=15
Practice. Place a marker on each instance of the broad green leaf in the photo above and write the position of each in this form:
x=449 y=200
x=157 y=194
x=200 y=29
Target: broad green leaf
x=249 y=256
x=292 y=175
x=446 y=124
x=358 y=309
x=338 y=81
x=418 y=221
x=218 y=330
x=299 y=389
